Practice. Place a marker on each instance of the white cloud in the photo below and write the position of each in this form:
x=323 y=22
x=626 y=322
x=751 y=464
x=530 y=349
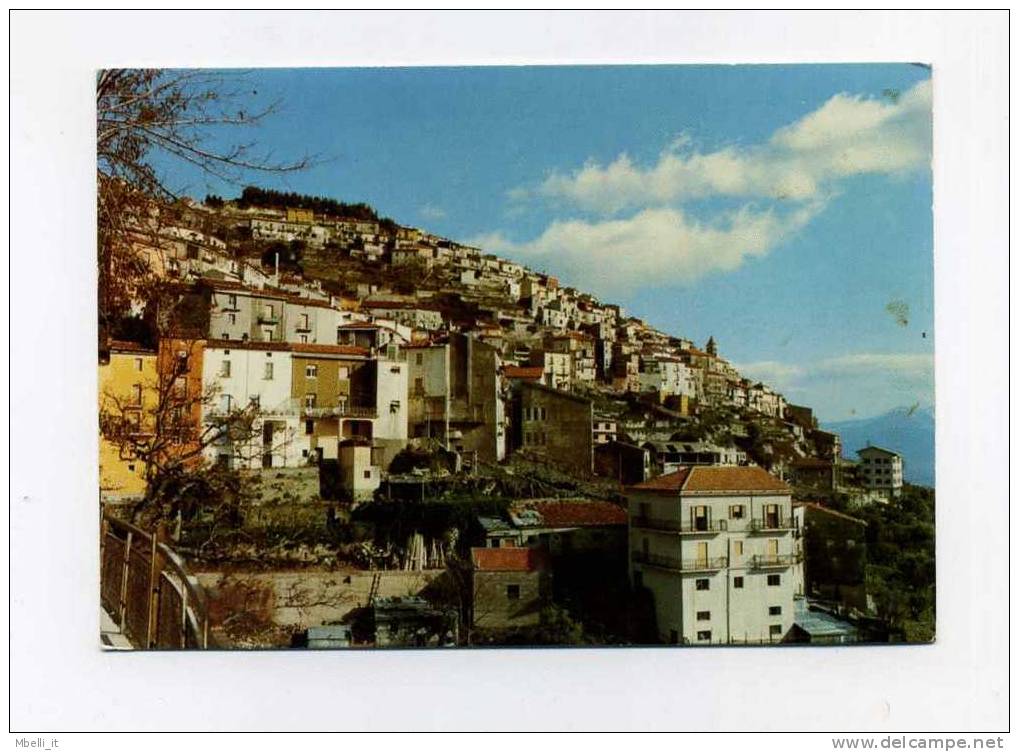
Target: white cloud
x=783 y=184
x=658 y=245
x=428 y=211
x=848 y=135
x=852 y=385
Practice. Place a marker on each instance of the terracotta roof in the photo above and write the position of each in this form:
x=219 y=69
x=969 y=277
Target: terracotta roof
x=668 y=482
x=131 y=347
x=509 y=559
x=574 y=513
x=239 y=344
x=715 y=479
x=311 y=349
x=523 y=372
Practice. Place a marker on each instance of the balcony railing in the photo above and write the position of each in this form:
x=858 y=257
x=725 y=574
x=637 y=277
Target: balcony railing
x=758 y=525
x=265 y=318
x=774 y=560
x=708 y=527
x=341 y=411
x=680 y=565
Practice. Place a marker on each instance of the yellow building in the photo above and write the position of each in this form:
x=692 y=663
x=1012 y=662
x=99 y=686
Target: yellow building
x=300 y=215
x=128 y=388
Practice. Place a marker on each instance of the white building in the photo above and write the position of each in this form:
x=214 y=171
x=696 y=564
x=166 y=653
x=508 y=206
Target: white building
x=239 y=374
x=715 y=547
x=667 y=375
x=881 y=470
x=390 y=426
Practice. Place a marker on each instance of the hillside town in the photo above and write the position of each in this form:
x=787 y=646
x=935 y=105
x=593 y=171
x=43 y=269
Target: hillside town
x=355 y=433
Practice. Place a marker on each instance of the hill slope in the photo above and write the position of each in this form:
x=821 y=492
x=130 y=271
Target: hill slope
x=907 y=431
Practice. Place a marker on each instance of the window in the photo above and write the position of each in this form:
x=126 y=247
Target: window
x=774 y=580
x=774 y=610
x=775 y=630
x=419 y=386
x=136 y=395
x=704 y=635
x=267 y=335
x=419 y=358
x=736 y=512
x=137 y=364
x=224 y=369
x=737 y=583
x=256 y=401
x=703 y=616
x=737 y=548
x=225 y=402
x=513 y=592
x=232 y=318
x=367 y=474
x=309 y=400
x=311 y=372
x=343 y=372
x=232 y=301
x=309 y=427
x=703 y=584
x=304 y=339
x=130 y=468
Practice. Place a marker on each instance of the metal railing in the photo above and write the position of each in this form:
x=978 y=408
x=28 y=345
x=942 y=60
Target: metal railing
x=758 y=525
x=146 y=589
x=680 y=565
x=773 y=560
x=345 y=411
x=707 y=527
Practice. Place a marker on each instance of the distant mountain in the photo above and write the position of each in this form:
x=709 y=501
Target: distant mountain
x=908 y=431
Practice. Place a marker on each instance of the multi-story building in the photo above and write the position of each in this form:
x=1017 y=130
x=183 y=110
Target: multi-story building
x=666 y=375
x=334 y=389
x=606 y=429
x=129 y=392
x=555 y=425
x=715 y=547
x=557 y=367
x=880 y=470
x=428 y=382
x=257 y=375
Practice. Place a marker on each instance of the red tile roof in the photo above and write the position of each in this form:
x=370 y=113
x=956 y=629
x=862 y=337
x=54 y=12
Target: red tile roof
x=523 y=372
x=509 y=559
x=721 y=478
x=574 y=513
x=244 y=344
x=310 y=349
x=669 y=482
x=131 y=347
x=715 y=479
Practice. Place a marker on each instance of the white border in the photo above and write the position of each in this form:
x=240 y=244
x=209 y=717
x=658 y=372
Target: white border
x=62 y=682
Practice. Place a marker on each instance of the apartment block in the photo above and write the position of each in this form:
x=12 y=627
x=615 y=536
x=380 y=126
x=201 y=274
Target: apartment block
x=715 y=547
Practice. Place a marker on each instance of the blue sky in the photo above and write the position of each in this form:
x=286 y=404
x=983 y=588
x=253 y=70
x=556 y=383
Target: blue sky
x=785 y=210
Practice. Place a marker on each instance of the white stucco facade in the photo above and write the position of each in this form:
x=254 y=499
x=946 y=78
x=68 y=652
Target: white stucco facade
x=719 y=564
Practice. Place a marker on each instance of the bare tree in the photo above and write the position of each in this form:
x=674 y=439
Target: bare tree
x=142 y=114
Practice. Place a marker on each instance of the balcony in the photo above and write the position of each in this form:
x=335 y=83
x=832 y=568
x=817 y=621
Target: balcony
x=771 y=524
x=708 y=564
x=773 y=561
x=269 y=319
x=340 y=411
x=707 y=527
